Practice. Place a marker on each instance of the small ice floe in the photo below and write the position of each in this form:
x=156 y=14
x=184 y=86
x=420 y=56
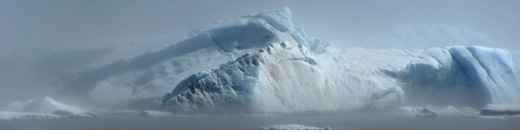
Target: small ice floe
x=151 y=113
x=46 y=108
x=501 y=109
x=415 y=111
x=293 y=127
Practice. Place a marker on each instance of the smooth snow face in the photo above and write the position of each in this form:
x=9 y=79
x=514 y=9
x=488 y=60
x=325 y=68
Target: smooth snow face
x=365 y=77
x=278 y=78
x=292 y=127
x=46 y=108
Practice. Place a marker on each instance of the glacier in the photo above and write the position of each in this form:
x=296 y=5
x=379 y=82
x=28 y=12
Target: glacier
x=264 y=63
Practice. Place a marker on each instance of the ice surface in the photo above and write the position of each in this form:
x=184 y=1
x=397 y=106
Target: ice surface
x=292 y=127
x=46 y=108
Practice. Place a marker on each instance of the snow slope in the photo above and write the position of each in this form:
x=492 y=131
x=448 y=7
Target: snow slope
x=278 y=78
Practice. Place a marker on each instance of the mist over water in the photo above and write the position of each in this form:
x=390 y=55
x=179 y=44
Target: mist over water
x=43 y=40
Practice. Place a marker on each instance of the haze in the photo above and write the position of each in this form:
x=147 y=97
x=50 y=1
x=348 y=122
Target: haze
x=50 y=25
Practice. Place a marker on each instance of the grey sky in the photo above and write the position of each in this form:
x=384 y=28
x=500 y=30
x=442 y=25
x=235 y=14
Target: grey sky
x=75 y=23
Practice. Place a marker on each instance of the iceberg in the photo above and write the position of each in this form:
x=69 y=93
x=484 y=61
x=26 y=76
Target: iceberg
x=264 y=63
x=151 y=75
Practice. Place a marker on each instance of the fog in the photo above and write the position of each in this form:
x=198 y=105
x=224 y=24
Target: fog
x=35 y=25
x=44 y=42
x=70 y=23
x=43 y=39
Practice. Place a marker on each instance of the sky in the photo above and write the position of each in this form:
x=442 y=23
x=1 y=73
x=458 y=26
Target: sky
x=41 y=25
x=34 y=24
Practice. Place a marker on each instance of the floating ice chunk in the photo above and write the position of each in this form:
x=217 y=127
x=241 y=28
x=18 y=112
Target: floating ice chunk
x=432 y=111
x=47 y=108
x=501 y=109
x=292 y=127
x=7 y=115
x=151 y=113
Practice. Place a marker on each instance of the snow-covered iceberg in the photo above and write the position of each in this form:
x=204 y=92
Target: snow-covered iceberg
x=263 y=63
x=457 y=75
x=46 y=108
x=153 y=74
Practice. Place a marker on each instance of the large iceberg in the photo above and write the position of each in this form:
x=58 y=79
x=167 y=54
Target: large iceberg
x=263 y=63
x=457 y=75
x=152 y=74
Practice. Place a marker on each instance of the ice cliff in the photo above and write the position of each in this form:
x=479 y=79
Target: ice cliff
x=263 y=63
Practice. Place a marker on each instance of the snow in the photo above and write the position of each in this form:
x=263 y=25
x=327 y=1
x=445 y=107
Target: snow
x=258 y=82
x=292 y=127
x=46 y=108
